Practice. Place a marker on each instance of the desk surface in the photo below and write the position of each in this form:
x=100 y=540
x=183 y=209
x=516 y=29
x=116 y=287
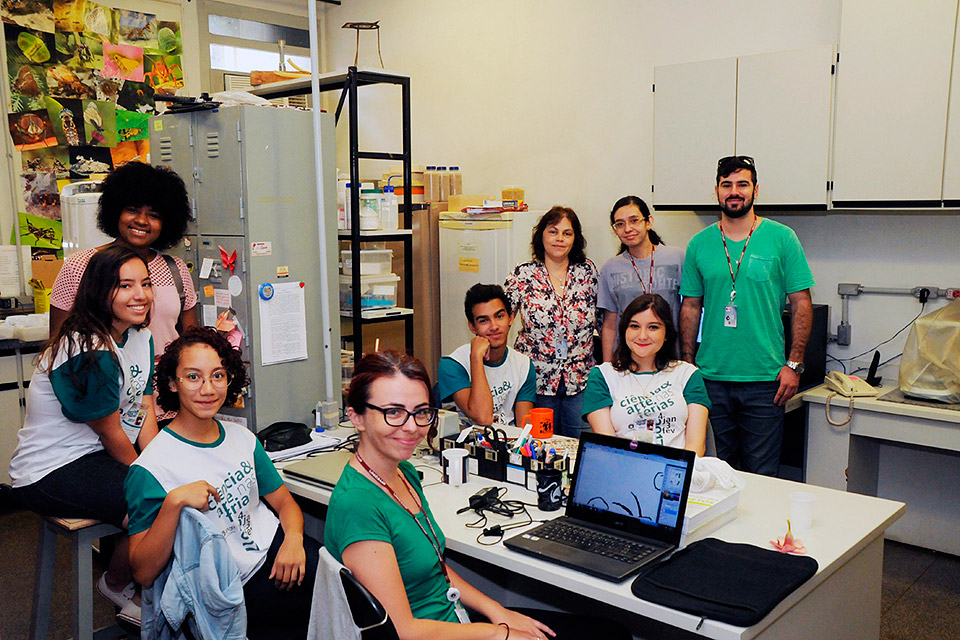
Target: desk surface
x=818 y=395
x=844 y=524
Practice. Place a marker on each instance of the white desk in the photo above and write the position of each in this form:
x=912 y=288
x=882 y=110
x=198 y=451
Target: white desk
x=893 y=450
x=841 y=601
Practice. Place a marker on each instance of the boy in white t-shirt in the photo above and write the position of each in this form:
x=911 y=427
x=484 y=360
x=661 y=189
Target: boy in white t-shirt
x=487 y=381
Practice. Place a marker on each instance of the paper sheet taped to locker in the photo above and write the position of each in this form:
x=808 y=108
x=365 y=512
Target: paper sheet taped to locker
x=283 y=325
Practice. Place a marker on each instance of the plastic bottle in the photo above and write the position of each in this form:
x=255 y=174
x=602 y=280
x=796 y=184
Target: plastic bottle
x=456 y=181
x=369 y=209
x=431 y=185
x=342 y=211
x=347 y=214
x=444 y=183
x=389 y=210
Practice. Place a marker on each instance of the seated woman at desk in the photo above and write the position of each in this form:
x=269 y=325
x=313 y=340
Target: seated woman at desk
x=380 y=526
x=90 y=400
x=646 y=393
x=196 y=457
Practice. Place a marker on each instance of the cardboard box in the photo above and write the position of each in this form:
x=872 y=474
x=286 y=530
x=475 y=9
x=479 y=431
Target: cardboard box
x=45 y=269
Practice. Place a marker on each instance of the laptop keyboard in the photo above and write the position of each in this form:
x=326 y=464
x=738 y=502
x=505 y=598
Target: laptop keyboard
x=596 y=542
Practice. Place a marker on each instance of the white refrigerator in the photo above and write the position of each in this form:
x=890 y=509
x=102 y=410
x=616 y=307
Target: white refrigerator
x=481 y=248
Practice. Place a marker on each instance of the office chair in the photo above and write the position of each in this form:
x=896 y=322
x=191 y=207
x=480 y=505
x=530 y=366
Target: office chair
x=368 y=613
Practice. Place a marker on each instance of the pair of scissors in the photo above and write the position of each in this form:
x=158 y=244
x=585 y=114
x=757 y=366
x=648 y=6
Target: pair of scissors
x=496 y=437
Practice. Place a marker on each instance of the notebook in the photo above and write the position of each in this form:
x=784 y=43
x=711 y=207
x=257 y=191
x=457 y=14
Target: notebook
x=625 y=509
x=323 y=469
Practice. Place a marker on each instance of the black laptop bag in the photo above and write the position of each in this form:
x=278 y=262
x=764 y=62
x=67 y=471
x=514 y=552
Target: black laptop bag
x=734 y=583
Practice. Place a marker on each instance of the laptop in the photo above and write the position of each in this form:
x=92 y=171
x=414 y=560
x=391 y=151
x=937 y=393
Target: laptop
x=625 y=508
x=323 y=469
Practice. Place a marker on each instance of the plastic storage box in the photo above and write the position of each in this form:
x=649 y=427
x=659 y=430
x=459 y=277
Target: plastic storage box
x=373 y=262
x=376 y=292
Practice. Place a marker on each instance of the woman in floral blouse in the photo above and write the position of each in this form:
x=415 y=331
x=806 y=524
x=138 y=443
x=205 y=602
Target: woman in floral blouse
x=556 y=297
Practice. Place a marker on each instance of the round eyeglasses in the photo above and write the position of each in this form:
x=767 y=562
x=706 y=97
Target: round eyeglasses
x=193 y=381
x=398 y=416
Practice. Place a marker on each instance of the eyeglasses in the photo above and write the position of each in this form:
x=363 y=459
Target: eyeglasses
x=398 y=416
x=193 y=381
x=744 y=159
x=635 y=221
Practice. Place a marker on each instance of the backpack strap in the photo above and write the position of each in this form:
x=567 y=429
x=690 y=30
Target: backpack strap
x=177 y=280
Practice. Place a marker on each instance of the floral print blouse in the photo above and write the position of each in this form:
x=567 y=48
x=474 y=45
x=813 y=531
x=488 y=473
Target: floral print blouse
x=547 y=317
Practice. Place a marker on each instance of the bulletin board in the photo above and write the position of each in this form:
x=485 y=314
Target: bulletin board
x=81 y=77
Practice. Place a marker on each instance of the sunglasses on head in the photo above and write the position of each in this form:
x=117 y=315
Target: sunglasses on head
x=727 y=159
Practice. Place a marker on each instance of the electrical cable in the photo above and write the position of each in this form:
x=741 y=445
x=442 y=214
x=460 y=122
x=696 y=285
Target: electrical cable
x=904 y=328
x=491 y=500
x=887 y=361
x=838 y=361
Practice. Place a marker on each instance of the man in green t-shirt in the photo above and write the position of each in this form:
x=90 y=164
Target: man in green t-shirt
x=740 y=272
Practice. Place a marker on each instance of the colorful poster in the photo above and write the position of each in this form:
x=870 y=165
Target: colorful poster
x=132 y=125
x=137 y=29
x=136 y=96
x=169 y=40
x=28 y=84
x=68 y=14
x=163 y=73
x=31 y=130
x=88 y=161
x=53 y=160
x=98 y=22
x=67 y=118
x=33 y=14
x=64 y=82
x=130 y=151
x=41 y=195
x=27 y=47
x=38 y=232
x=77 y=50
x=123 y=61
x=100 y=123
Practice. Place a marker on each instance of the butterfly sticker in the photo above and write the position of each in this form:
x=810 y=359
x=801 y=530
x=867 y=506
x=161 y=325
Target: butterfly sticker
x=229 y=262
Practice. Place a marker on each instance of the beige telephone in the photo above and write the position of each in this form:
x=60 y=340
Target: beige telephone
x=849 y=386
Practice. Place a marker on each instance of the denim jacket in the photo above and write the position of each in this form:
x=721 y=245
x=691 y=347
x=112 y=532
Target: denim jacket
x=201 y=579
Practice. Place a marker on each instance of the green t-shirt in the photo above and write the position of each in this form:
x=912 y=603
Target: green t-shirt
x=773 y=266
x=359 y=510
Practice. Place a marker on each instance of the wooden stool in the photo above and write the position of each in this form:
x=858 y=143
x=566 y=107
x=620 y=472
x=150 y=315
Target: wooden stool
x=82 y=533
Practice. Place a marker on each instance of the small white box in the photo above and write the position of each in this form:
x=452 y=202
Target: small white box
x=376 y=292
x=373 y=262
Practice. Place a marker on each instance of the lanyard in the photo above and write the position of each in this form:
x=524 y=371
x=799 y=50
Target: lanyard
x=434 y=540
x=733 y=276
x=637 y=271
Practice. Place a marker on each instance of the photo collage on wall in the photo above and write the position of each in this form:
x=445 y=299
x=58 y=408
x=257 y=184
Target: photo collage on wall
x=82 y=78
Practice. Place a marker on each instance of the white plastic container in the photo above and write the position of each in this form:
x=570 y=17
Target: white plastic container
x=78 y=208
x=376 y=292
x=373 y=262
x=369 y=209
x=456 y=181
x=389 y=210
x=444 y=183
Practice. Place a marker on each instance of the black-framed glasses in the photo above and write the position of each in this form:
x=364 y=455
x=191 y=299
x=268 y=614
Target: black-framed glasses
x=744 y=159
x=398 y=416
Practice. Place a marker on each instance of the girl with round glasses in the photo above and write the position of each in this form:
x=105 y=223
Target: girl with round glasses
x=380 y=526
x=221 y=469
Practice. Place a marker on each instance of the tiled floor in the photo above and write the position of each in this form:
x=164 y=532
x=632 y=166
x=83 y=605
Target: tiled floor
x=921 y=588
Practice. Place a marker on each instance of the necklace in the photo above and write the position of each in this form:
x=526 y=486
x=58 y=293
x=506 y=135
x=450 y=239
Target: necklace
x=453 y=594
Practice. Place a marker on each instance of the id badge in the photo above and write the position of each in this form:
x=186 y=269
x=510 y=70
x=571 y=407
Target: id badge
x=561 y=347
x=730 y=316
x=462 y=614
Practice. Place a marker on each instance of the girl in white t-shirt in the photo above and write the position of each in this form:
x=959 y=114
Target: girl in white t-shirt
x=89 y=404
x=645 y=393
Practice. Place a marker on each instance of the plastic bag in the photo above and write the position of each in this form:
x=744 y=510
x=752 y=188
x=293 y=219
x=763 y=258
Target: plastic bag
x=930 y=365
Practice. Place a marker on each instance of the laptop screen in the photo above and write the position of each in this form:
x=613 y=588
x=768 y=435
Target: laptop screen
x=633 y=486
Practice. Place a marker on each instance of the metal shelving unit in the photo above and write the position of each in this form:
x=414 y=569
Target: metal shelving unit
x=348 y=84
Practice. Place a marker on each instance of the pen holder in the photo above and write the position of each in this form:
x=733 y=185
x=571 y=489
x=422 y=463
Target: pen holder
x=522 y=469
x=491 y=462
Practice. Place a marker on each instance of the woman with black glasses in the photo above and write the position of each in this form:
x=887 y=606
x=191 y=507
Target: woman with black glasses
x=380 y=526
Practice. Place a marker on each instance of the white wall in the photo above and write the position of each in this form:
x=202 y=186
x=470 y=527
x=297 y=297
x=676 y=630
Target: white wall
x=556 y=96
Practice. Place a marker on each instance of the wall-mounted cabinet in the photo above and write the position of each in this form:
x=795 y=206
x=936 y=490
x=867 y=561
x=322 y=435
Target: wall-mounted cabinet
x=775 y=107
x=893 y=88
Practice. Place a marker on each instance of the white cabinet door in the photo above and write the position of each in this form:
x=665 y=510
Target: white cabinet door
x=951 y=160
x=783 y=121
x=892 y=84
x=695 y=109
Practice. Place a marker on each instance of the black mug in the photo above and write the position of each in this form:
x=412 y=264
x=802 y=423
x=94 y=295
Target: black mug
x=549 y=489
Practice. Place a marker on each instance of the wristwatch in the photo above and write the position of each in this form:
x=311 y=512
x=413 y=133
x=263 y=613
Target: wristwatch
x=796 y=366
